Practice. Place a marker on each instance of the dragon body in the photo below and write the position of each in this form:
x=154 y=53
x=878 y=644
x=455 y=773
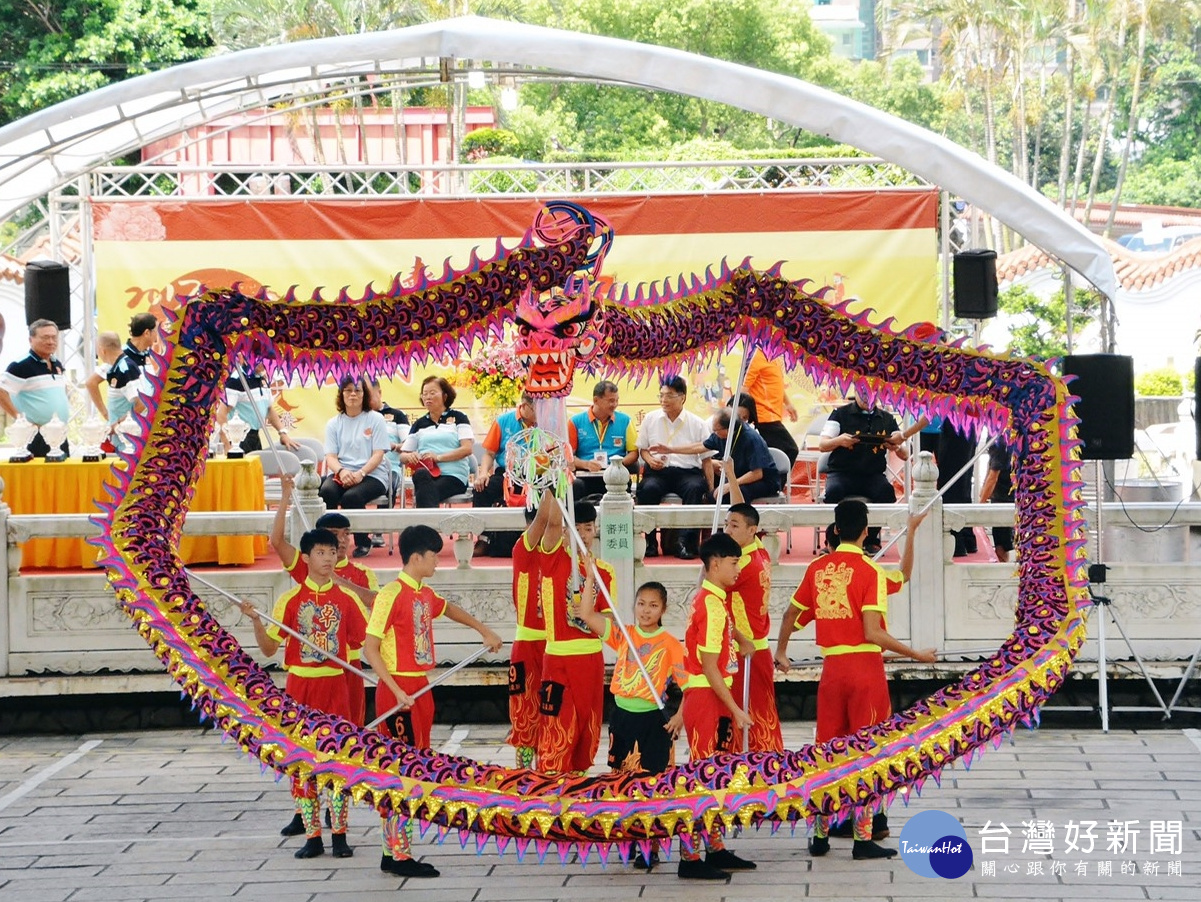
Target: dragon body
x=645 y=333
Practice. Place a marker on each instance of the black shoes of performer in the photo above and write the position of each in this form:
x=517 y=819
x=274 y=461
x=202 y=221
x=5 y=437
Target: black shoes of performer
x=871 y=548
x=697 y=869
x=642 y=863
x=406 y=867
x=340 y=848
x=652 y=546
x=846 y=830
x=377 y=541
x=880 y=826
x=685 y=553
x=295 y=826
x=726 y=860
x=312 y=848
x=362 y=550
x=865 y=849
x=818 y=846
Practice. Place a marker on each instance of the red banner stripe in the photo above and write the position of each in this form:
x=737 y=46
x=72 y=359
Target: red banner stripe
x=484 y=217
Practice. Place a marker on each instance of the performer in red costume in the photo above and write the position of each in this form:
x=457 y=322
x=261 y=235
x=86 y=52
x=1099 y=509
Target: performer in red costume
x=846 y=594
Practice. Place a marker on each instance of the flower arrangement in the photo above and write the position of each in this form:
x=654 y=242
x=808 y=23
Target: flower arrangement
x=493 y=373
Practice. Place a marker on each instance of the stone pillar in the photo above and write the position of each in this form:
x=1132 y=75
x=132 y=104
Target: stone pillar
x=617 y=532
x=927 y=590
x=307 y=500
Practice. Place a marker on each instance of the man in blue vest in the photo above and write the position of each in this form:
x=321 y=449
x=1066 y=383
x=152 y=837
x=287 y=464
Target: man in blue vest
x=36 y=385
x=489 y=486
x=596 y=435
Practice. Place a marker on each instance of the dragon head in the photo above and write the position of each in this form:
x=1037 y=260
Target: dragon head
x=555 y=331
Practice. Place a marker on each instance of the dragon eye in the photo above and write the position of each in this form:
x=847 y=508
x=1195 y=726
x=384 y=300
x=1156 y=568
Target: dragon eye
x=570 y=330
x=523 y=330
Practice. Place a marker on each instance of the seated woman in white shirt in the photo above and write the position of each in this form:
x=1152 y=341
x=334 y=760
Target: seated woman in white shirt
x=355 y=443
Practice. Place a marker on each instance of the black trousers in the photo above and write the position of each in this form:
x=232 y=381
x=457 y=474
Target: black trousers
x=875 y=487
x=777 y=436
x=356 y=498
x=500 y=541
x=688 y=483
x=430 y=491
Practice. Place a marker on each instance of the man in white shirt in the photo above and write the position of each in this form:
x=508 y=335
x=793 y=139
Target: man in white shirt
x=664 y=474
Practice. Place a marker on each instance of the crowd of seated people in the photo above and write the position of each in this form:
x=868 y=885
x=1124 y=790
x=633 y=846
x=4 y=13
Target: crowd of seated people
x=673 y=452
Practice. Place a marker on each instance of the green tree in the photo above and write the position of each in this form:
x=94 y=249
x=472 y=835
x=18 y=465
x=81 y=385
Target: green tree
x=776 y=35
x=1038 y=325
x=56 y=50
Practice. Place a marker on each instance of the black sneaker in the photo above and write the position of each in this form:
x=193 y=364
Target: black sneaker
x=406 y=867
x=295 y=826
x=313 y=847
x=818 y=846
x=652 y=547
x=641 y=863
x=726 y=860
x=865 y=849
x=340 y=849
x=880 y=827
x=362 y=551
x=696 y=869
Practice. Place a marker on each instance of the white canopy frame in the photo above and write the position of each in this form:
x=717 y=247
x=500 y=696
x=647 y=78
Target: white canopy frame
x=50 y=148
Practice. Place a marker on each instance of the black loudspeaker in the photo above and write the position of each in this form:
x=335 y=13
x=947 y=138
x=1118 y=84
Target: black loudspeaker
x=975 y=284
x=48 y=293
x=1197 y=403
x=1105 y=385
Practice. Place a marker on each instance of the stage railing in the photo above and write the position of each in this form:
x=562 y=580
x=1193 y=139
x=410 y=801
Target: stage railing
x=60 y=630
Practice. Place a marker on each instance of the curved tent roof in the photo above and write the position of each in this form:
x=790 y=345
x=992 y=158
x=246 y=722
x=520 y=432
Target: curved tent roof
x=50 y=147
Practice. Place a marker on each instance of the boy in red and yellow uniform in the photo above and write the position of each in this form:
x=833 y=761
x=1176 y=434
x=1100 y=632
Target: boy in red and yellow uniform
x=529 y=642
x=572 y=694
x=713 y=720
x=400 y=649
x=846 y=594
x=749 y=598
x=364 y=581
x=331 y=619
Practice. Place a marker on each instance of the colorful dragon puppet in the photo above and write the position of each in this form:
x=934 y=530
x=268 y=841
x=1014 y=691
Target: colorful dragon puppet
x=597 y=814
x=556 y=331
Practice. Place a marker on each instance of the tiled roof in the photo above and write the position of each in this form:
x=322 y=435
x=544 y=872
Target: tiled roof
x=12 y=269
x=1135 y=272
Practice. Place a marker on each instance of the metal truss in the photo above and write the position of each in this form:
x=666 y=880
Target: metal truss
x=113 y=183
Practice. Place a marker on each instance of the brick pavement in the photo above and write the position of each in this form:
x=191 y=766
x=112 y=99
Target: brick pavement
x=178 y=815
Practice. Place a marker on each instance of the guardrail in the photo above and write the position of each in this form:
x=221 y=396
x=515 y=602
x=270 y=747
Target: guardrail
x=60 y=630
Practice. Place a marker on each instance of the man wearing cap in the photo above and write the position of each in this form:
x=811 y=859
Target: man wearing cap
x=36 y=385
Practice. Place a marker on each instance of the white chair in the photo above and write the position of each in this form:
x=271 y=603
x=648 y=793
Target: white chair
x=784 y=496
x=317 y=449
x=275 y=464
x=809 y=455
x=473 y=467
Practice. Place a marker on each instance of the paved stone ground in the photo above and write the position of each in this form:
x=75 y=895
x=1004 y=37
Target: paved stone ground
x=177 y=815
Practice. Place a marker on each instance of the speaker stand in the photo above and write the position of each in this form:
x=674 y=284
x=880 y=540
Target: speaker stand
x=1188 y=675
x=1103 y=607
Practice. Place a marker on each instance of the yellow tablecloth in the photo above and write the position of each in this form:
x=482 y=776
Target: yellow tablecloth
x=73 y=486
